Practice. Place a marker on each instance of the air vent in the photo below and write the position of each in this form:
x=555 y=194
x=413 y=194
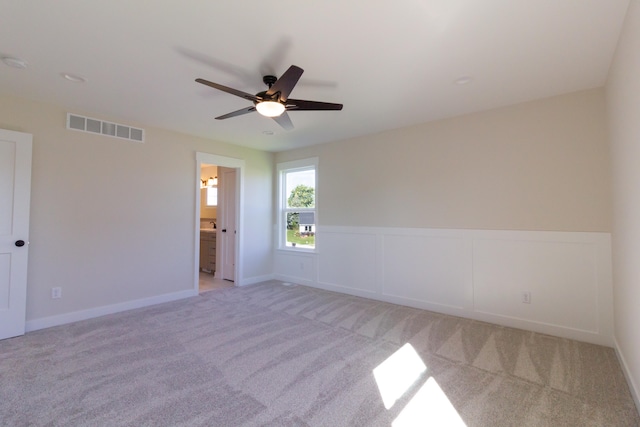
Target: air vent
x=87 y=124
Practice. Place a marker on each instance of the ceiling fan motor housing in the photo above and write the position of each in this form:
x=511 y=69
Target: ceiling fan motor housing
x=264 y=97
x=269 y=80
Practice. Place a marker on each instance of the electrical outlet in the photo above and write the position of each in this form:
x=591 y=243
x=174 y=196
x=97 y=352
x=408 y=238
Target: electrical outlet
x=526 y=297
x=56 y=293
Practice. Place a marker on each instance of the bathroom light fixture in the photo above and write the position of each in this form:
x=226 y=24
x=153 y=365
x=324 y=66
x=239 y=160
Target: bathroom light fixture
x=270 y=108
x=211 y=182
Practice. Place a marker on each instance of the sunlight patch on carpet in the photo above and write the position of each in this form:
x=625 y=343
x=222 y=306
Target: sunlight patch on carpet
x=398 y=373
x=430 y=406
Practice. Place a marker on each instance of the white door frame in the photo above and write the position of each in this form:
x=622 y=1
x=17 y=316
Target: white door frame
x=227 y=162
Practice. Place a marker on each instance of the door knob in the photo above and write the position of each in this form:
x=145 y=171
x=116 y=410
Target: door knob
x=19 y=243
x=224 y=230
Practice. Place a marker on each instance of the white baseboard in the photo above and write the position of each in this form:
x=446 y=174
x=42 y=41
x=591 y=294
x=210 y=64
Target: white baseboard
x=539 y=327
x=75 y=316
x=635 y=391
x=327 y=287
x=255 y=279
x=298 y=281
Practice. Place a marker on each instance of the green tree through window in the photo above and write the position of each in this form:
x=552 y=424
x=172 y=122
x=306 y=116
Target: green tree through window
x=301 y=197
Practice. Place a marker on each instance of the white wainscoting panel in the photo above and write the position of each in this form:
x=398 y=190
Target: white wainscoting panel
x=560 y=276
x=348 y=260
x=298 y=267
x=478 y=274
x=427 y=269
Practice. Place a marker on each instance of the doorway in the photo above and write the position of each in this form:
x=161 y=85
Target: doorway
x=218 y=222
x=210 y=243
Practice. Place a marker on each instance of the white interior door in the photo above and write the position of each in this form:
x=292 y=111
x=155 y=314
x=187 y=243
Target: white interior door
x=229 y=236
x=15 y=195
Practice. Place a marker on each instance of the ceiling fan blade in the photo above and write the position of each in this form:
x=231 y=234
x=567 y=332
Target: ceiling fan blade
x=218 y=64
x=284 y=120
x=275 y=56
x=286 y=82
x=301 y=104
x=236 y=113
x=232 y=91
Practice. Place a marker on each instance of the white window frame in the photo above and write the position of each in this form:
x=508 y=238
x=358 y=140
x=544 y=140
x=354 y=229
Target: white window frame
x=282 y=169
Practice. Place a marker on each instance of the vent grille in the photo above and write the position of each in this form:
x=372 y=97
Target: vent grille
x=87 y=124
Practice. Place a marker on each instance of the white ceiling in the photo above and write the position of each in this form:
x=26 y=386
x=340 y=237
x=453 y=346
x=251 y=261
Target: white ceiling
x=391 y=64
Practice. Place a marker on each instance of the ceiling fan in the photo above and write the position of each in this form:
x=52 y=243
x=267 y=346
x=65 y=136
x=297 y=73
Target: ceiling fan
x=275 y=101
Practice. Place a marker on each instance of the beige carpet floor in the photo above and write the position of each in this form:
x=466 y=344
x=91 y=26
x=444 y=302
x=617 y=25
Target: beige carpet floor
x=272 y=355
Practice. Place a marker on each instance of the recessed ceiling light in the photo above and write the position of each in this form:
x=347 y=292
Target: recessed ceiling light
x=14 y=62
x=267 y=132
x=464 y=80
x=73 y=77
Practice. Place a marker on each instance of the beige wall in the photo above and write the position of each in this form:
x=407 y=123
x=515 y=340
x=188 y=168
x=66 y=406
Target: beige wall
x=623 y=102
x=113 y=220
x=540 y=165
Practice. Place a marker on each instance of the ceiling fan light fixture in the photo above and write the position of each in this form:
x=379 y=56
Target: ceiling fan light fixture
x=270 y=108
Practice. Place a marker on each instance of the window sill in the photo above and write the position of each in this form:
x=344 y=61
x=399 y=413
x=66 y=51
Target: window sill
x=298 y=250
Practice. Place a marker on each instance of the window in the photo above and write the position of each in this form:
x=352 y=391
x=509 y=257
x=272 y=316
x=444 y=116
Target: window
x=212 y=196
x=297 y=204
